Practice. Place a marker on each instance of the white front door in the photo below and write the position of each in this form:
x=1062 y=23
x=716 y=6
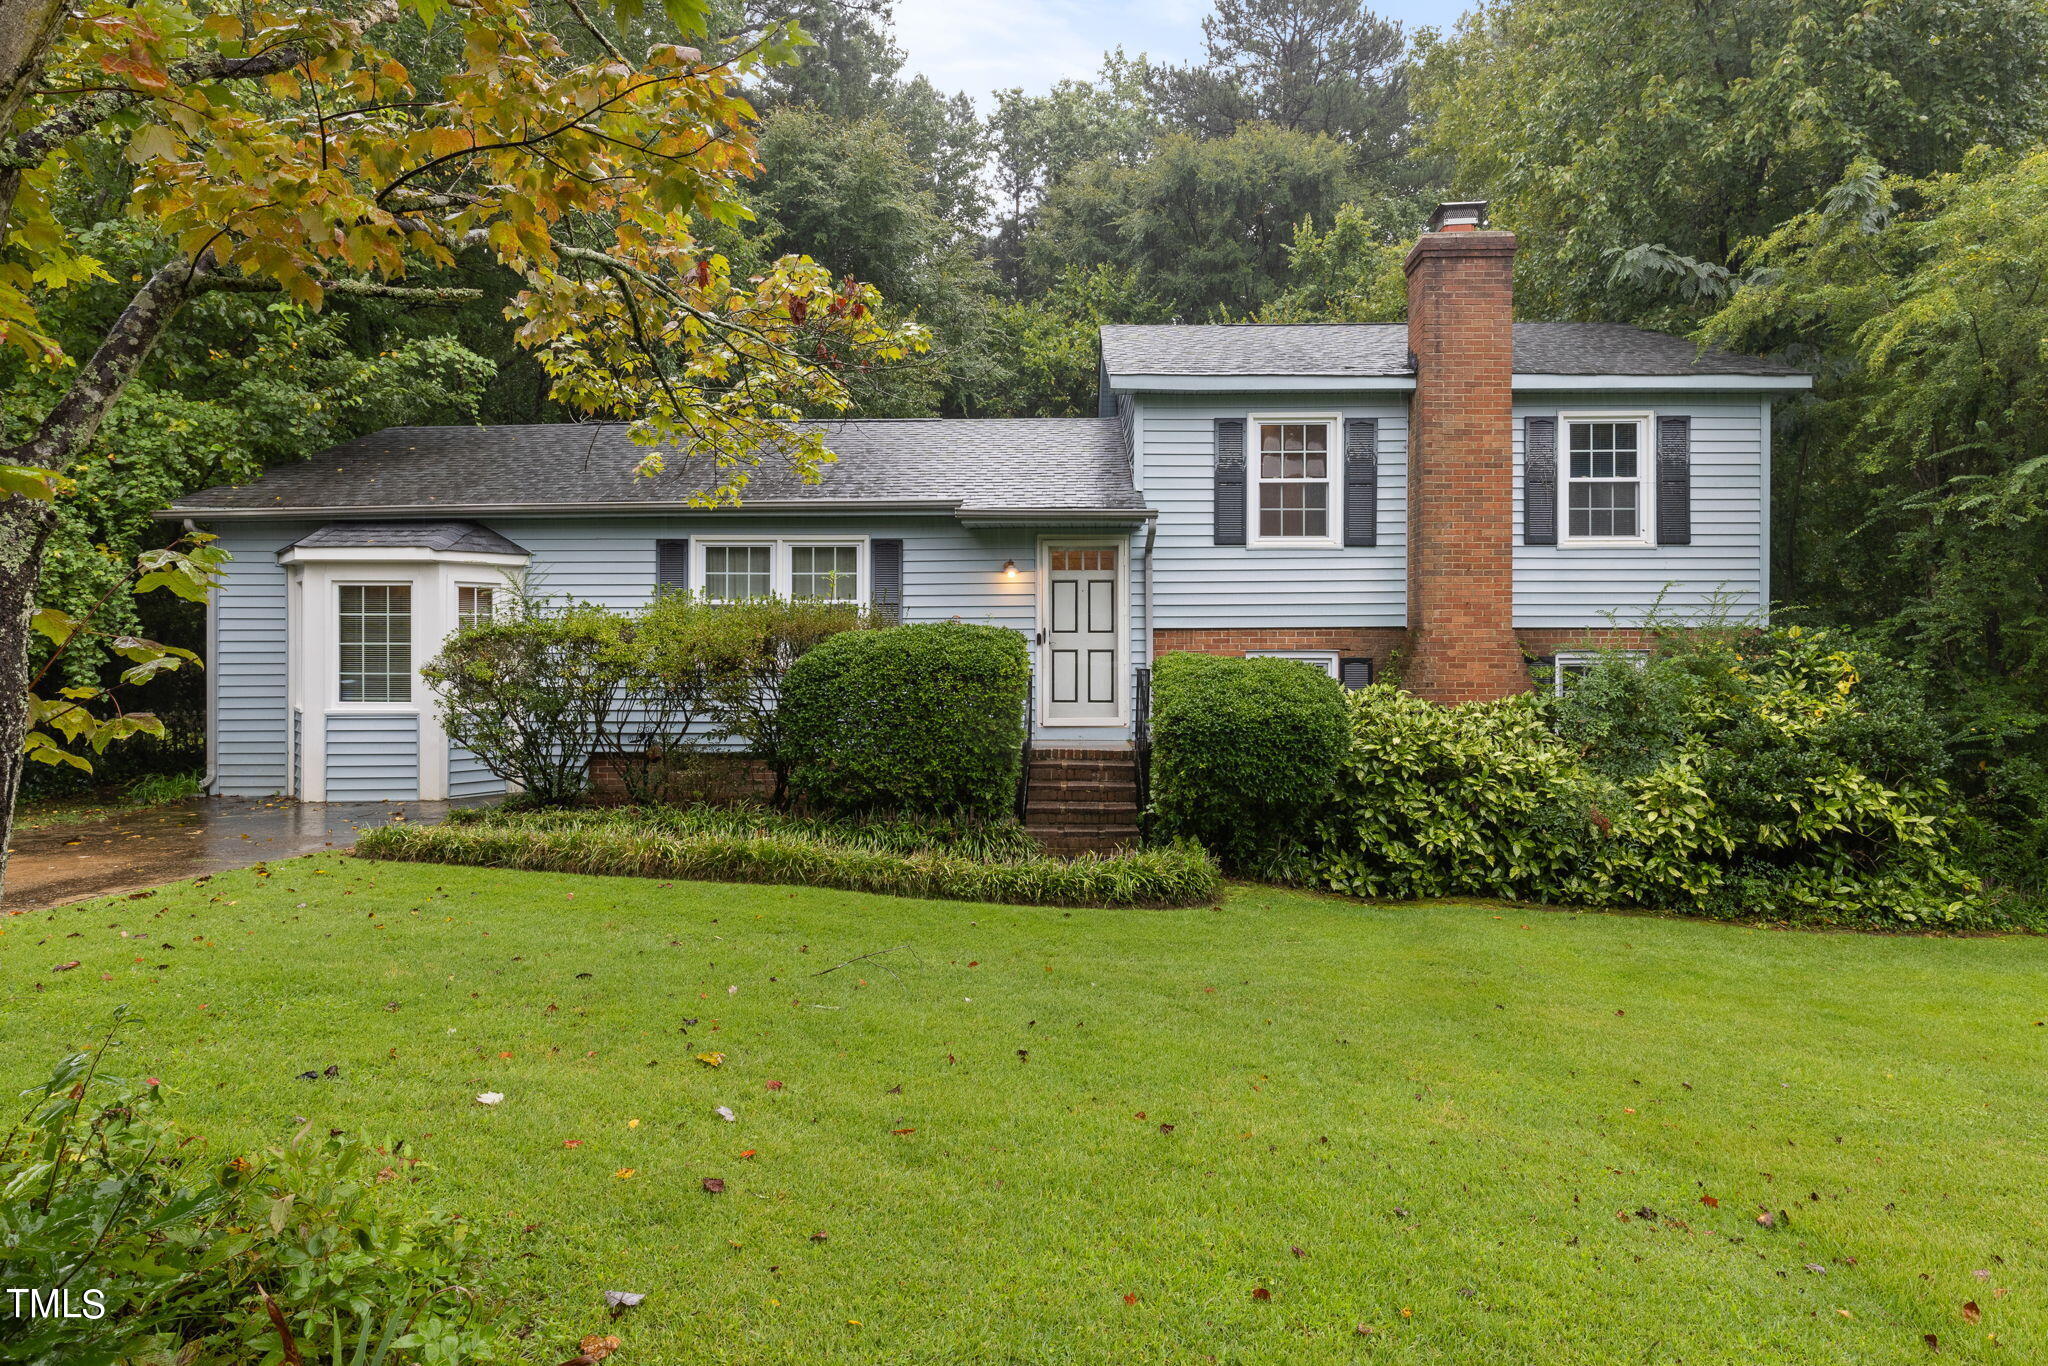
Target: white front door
x=1083 y=617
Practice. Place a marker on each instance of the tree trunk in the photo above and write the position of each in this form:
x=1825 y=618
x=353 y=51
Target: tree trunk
x=24 y=527
x=25 y=524
x=28 y=29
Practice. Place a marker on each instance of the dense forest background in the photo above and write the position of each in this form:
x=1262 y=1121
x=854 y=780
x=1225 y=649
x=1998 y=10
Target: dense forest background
x=1858 y=185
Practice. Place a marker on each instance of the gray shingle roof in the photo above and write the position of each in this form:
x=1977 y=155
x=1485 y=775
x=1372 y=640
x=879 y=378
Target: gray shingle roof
x=467 y=537
x=993 y=465
x=1380 y=350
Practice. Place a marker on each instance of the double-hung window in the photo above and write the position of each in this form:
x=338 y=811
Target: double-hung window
x=475 y=604
x=1296 y=492
x=375 y=654
x=829 y=571
x=1607 y=458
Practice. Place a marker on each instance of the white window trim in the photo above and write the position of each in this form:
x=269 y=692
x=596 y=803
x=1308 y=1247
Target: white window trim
x=1333 y=423
x=1646 y=490
x=780 y=574
x=1329 y=659
x=411 y=705
x=498 y=604
x=1042 y=664
x=1564 y=661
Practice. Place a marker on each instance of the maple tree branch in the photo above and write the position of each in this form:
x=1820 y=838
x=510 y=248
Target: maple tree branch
x=353 y=289
x=576 y=8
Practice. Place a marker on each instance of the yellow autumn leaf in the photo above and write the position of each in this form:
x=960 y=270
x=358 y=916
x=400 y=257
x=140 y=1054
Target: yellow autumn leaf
x=711 y=1059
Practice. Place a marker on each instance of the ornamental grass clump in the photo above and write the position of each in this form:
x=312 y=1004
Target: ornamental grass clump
x=709 y=844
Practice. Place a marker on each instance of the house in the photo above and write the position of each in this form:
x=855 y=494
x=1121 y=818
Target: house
x=1462 y=491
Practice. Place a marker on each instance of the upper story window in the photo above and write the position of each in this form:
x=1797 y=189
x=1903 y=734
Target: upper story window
x=1296 y=494
x=1604 y=498
x=375 y=654
x=831 y=571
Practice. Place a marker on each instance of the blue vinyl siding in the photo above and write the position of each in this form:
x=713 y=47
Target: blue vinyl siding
x=467 y=776
x=246 y=676
x=1571 y=586
x=372 y=757
x=1202 y=584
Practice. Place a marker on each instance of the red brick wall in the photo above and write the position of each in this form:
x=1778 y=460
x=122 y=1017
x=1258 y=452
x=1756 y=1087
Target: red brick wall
x=1377 y=643
x=1462 y=644
x=1539 y=641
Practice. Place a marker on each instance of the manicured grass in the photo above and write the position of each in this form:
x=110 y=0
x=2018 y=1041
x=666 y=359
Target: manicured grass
x=1438 y=1122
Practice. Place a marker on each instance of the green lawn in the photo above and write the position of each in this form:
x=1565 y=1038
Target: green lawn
x=1437 y=1122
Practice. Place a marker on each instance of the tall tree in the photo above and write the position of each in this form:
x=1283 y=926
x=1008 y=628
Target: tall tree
x=1310 y=66
x=288 y=152
x=1204 y=224
x=1686 y=127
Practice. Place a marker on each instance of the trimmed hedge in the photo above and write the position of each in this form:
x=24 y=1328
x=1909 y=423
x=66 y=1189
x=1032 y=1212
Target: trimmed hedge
x=926 y=719
x=1245 y=752
x=713 y=845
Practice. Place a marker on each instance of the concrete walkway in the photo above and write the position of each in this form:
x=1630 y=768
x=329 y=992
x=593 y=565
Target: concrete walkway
x=119 y=853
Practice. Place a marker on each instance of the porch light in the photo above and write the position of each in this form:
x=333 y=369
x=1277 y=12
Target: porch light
x=1009 y=569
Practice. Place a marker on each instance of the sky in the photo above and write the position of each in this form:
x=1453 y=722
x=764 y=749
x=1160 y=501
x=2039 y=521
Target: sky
x=983 y=45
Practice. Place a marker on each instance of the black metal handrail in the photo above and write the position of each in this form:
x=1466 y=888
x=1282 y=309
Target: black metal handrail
x=1141 y=736
x=1024 y=752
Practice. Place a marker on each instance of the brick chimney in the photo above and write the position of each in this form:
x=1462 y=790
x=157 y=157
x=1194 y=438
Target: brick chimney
x=1461 y=637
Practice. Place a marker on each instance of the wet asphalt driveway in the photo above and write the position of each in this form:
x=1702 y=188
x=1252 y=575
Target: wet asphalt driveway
x=121 y=852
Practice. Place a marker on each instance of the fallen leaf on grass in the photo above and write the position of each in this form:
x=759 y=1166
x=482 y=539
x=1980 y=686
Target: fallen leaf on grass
x=1933 y=1342
x=712 y=1059
x=1710 y=1202
x=65 y=967
x=1259 y=1292
x=594 y=1348
x=622 y=1299
x=625 y=1173
x=771 y=1086
x=714 y=1185
x=1130 y=1299
x=819 y=1236
x=725 y=1113
x=900 y=1132
x=1971 y=1313
x=490 y=1097
x=572 y=1143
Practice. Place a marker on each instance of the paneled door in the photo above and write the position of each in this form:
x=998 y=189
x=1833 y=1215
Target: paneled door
x=1083 y=624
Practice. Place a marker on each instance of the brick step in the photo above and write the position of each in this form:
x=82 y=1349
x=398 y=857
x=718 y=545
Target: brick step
x=1068 y=771
x=1083 y=753
x=1092 y=839
x=1081 y=790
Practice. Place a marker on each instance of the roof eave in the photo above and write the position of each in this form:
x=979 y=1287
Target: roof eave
x=1723 y=383
x=365 y=511
x=1239 y=384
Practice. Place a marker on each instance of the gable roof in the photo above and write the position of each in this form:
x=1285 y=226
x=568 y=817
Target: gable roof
x=1380 y=350
x=992 y=466
x=447 y=537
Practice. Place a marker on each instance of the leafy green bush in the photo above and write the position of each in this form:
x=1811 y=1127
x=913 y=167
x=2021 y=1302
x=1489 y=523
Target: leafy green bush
x=726 y=661
x=1768 y=776
x=926 y=718
x=533 y=696
x=1244 y=752
x=722 y=845
x=206 y=1262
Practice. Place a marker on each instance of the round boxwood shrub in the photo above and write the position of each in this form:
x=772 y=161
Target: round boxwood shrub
x=926 y=719
x=1244 y=752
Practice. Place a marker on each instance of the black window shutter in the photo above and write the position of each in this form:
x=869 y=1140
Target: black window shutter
x=1354 y=673
x=1229 y=481
x=1362 y=481
x=885 y=563
x=1674 y=481
x=672 y=565
x=1539 y=481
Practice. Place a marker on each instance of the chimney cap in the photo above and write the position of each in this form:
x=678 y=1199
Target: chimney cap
x=1464 y=215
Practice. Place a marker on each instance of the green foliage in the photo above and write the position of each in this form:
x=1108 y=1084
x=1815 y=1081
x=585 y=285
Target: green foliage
x=64 y=722
x=927 y=719
x=728 y=660
x=1916 y=500
x=710 y=845
x=534 y=694
x=1050 y=348
x=1244 y=752
x=1773 y=776
x=1352 y=271
x=1002 y=838
x=1204 y=224
x=211 y=1262
x=1598 y=126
